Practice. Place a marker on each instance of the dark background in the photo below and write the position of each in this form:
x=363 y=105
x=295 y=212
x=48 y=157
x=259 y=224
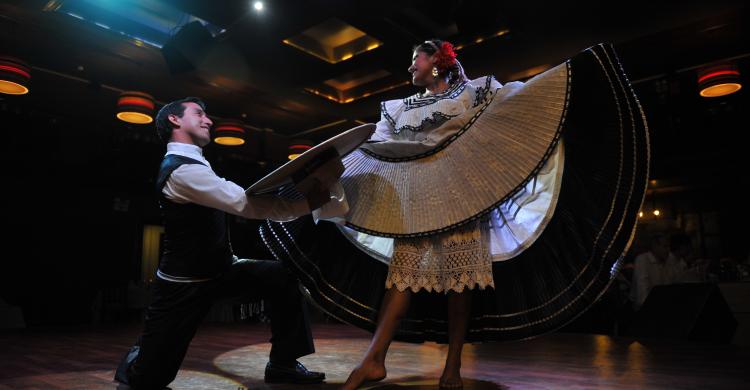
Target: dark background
x=78 y=184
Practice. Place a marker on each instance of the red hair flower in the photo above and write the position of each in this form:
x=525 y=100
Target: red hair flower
x=445 y=58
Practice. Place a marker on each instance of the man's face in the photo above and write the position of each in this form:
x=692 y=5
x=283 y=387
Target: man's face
x=421 y=69
x=195 y=123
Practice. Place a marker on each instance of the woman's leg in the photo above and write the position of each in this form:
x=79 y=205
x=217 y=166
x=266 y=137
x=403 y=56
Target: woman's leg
x=372 y=367
x=459 y=309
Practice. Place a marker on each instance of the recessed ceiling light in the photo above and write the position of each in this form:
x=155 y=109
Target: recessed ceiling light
x=258 y=5
x=333 y=41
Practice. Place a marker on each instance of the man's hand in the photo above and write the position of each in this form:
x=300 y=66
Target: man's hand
x=315 y=187
x=317 y=194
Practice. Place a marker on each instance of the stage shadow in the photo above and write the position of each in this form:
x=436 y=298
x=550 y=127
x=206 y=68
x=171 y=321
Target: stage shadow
x=405 y=383
x=421 y=383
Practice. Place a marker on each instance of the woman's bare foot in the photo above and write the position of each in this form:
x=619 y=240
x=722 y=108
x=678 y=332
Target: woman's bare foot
x=451 y=379
x=367 y=371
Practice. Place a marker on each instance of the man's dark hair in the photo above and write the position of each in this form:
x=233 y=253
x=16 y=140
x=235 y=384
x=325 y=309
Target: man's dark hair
x=163 y=125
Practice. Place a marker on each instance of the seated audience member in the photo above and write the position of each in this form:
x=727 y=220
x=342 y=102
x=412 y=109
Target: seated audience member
x=652 y=268
x=681 y=251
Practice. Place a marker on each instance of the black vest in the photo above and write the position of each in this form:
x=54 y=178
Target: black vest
x=196 y=238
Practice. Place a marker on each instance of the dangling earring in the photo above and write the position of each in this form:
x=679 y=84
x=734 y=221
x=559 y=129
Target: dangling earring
x=435 y=72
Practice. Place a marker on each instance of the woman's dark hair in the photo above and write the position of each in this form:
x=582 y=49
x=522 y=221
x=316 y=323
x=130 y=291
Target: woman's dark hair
x=177 y=107
x=455 y=73
x=427 y=48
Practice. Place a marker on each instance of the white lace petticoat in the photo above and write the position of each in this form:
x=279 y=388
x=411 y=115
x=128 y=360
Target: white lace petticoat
x=445 y=262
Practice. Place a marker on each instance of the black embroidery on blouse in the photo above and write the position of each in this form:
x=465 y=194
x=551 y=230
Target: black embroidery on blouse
x=437 y=117
x=416 y=101
x=481 y=94
x=438 y=148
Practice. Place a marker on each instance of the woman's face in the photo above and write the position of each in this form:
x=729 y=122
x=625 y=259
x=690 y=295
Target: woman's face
x=421 y=69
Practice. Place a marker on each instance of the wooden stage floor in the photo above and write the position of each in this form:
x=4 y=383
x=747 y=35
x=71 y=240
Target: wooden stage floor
x=233 y=357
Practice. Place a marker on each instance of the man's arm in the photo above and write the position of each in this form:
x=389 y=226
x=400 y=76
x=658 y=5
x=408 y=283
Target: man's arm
x=197 y=183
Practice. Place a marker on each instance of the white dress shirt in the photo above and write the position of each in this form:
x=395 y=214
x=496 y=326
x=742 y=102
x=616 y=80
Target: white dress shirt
x=650 y=272
x=199 y=184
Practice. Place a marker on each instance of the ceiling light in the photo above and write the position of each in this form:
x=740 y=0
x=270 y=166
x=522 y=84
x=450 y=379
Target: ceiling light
x=14 y=76
x=719 y=80
x=135 y=107
x=298 y=146
x=229 y=133
x=333 y=40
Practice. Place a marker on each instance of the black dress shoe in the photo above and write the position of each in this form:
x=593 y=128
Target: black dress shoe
x=294 y=373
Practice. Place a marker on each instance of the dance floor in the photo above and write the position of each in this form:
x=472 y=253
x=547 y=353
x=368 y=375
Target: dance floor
x=233 y=357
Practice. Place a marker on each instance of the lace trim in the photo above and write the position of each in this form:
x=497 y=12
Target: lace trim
x=440 y=281
x=442 y=263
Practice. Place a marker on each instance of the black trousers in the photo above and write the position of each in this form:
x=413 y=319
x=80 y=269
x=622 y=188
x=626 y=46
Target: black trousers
x=177 y=309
